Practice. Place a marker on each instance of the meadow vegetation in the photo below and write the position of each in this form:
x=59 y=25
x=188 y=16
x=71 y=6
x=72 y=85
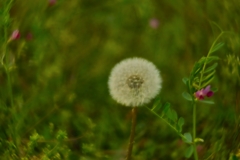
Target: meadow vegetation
x=54 y=97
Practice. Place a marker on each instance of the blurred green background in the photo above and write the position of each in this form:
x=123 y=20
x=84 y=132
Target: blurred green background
x=60 y=75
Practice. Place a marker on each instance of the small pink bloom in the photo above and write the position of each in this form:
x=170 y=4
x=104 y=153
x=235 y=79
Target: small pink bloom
x=15 y=35
x=154 y=23
x=201 y=94
x=29 y=36
x=208 y=92
x=52 y=2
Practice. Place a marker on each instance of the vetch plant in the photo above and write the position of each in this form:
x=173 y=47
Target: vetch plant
x=198 y=85
x=134 y=82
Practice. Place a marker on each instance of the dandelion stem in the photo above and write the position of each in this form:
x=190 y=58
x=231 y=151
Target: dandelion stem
x=132 y=134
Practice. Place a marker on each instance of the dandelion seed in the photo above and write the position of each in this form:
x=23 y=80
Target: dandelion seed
x=134 y=82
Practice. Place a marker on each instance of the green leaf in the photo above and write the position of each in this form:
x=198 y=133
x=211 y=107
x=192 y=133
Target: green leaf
x=196 y=85
x=234 y=157
x=189 y=151
x=216 y=47
x=211 y=68
x=211 y=58
x=197 y=71
x=187 y=96
x=208 y=81
x=214 y=89
x=180 y=123
x=197 y=67
x=172 y=114
x=206 y=101
x=188 y=137
x=209 y=76
x=208 y=59
x=157 y=105
x=185 y=80
x=166 y=107
x=196 y=79
x=202 y=60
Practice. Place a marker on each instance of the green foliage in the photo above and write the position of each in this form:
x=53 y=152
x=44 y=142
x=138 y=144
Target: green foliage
x=188 y=137
x=207 y=101
x=187 y=96
x=169 y=116
x=180 y=124
x=43 y=148
x=203 y=72
x=54 y=100
x=189 y=151
x=233 y=62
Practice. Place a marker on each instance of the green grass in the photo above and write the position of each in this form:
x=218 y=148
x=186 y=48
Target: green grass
x=61 y=107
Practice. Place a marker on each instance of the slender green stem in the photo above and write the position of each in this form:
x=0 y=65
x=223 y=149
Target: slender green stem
x=132 y=134
x=194 y=131
x=5 y=55
x=9 y=83
x=53 y=149
x=5 y=64
x=169 y=124
x=42 y=119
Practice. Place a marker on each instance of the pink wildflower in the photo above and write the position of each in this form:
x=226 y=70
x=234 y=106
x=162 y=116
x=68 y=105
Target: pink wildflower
x=29 y=36
x=154 y=23
x=15 y=35
x=201 y=94
x=51 y=2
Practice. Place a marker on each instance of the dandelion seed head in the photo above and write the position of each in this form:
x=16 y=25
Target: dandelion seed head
x=134 y=82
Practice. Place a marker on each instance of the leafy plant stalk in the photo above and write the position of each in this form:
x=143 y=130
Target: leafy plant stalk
x=209 y=53
x=169 y=124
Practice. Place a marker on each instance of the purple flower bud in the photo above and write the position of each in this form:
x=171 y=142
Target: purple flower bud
x=210 y=94
x=201 y=94
x=15 y=35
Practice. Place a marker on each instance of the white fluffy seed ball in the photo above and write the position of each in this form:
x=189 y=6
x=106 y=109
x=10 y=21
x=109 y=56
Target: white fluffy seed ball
x=134 y=82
